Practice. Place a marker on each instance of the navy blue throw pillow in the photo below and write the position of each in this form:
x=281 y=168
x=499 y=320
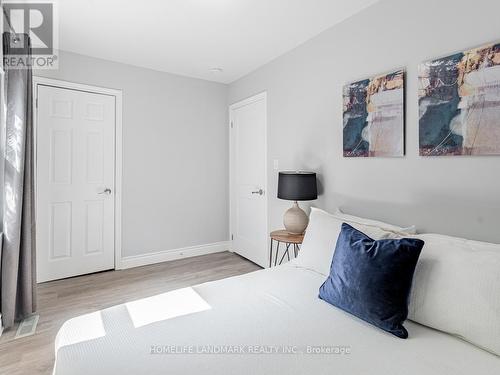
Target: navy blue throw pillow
x=372 y=279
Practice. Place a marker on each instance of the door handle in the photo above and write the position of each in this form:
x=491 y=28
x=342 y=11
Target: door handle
x=106 y=191
x=260 y=192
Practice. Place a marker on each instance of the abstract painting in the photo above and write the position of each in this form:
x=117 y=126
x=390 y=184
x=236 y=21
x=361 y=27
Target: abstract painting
x=459 y=103
x=374 y=116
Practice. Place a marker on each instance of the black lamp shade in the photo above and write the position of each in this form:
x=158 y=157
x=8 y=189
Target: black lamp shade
x=297 y=186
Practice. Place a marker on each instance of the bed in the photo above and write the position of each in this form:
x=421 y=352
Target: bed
x=265 y=322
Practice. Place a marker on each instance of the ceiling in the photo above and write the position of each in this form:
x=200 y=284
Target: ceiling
x=191 y=37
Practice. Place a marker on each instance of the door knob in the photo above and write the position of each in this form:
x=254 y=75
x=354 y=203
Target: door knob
x=106 y=191
x=260 y=192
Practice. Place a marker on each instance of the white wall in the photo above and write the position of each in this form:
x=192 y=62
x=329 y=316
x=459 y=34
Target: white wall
x=453 y=195
x=175 y=153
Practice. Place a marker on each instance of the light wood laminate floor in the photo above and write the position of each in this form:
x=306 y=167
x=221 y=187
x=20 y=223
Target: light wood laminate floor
x=61 y=300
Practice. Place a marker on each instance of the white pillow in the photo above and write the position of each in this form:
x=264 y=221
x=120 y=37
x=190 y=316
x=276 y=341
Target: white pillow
x=380 y=224
x=456 y=289
x=321 y=237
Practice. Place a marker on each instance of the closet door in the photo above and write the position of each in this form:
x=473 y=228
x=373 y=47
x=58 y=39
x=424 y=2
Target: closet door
x=74 y=182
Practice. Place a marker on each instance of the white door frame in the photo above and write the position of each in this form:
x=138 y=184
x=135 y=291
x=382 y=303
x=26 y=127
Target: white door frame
x=242 y=103
x=42 y=81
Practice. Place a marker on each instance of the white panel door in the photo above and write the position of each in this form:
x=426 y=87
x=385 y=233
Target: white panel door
x=74 y=182
x=248 y=179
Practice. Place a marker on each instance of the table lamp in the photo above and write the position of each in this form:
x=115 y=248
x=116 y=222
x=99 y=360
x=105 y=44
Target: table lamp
x=296 y=186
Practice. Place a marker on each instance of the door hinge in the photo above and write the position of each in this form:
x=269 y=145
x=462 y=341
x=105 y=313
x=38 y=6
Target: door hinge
x=36 y=103
x=231 y=124
x=232 y=237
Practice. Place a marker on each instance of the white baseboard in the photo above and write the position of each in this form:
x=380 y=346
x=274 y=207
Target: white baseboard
x=167 y=255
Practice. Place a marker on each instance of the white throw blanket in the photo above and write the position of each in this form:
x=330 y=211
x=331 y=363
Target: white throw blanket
x=260 y=323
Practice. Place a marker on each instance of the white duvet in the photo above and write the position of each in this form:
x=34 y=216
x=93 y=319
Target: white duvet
x=266 y=322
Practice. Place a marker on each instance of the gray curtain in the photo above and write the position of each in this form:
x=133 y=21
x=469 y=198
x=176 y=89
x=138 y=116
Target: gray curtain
x=18 y=271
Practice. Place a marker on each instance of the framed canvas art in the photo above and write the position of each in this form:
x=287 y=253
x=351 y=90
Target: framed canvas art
x=459 y=103
x=373 y=116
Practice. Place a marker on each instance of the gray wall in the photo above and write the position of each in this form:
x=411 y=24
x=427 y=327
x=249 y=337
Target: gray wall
x=453 y=195
x=175 y=154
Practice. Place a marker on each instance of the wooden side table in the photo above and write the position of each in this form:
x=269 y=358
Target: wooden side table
x=282 y=236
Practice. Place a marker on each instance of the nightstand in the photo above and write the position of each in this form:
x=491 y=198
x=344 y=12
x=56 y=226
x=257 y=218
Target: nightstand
x=288 y=239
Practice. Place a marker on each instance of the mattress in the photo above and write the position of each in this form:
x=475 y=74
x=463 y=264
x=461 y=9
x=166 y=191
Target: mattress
x=265 y=322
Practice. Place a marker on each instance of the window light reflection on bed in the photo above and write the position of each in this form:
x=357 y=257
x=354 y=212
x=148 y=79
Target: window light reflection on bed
x=165 y=306
x=74 y=334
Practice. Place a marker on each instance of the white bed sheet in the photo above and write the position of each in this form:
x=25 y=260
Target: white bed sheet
x=268 y=309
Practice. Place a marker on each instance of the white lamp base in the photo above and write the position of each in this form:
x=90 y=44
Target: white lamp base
x=295 y=220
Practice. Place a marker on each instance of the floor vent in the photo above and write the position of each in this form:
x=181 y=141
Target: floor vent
x=27 y=327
